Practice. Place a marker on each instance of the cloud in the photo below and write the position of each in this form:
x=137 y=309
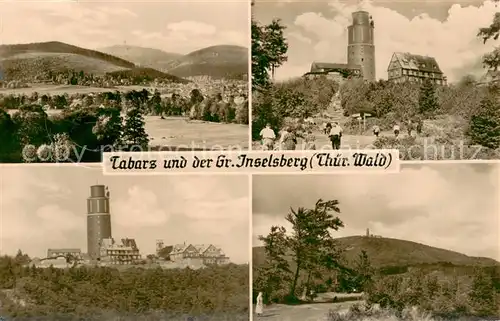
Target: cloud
x=452 y=42
x=433 y=204
x=168 y=25
x=139 y=208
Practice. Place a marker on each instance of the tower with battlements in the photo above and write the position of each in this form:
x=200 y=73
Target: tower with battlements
x=98 y=219
x=361 y=47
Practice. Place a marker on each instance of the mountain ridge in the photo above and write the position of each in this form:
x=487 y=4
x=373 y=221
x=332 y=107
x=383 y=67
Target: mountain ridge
x=390 y=252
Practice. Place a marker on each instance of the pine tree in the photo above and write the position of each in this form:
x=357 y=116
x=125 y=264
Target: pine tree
x=484 y=126
x=134 y=132
x=427 y=101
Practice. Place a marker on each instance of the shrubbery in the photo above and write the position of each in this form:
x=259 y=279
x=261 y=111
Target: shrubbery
x=298 y=98
x=98 y=293
x=94 y=121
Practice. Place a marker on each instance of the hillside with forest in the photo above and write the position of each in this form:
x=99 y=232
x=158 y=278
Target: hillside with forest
x=43 y=61
x=218 y=62
x=389 y=252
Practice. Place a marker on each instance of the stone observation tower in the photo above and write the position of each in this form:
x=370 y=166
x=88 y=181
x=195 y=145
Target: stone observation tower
x=361 y=48
x=98 y=219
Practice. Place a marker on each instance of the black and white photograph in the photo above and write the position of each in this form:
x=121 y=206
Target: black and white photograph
x=78 y=245
x=418 y=76
x=421 y=245
x=87 y=76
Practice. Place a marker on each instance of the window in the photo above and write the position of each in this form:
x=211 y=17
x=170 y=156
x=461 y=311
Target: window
x=362 y=59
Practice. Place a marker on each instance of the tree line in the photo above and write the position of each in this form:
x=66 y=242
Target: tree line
x=100 y=293
x=90 y=122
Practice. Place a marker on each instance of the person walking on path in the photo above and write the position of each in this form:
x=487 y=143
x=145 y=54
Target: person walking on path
x=289 y=139
x=409 y=127
x=420 y=126
x=310 y=140
x=396 y=130
x=268 y=136
x=336 y=135
x=259 y=307
x=376 y=131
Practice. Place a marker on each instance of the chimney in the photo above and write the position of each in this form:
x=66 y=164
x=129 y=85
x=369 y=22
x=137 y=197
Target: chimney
x=367 y=232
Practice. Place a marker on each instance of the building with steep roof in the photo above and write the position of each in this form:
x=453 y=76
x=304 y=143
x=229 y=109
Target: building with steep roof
x=405 y=67
x=206 y=253
x=334 y=71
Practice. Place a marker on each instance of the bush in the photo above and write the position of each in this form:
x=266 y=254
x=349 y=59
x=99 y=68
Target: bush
x=484 y=127
x=298 y=98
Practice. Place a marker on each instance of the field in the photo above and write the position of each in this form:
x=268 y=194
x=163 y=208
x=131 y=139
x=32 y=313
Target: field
x=179 y=132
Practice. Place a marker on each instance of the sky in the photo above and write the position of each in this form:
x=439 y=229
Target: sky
x=173 y=26
x=45 y=207
x=454 y=207
x=317 y=31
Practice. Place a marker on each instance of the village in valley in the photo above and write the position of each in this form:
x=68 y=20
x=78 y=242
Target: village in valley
x=63 y=101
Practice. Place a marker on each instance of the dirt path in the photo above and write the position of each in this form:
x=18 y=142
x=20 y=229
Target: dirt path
x=303 y=312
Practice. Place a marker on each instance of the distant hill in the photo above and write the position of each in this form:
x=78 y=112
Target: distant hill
x=27 y=61
x=387 y=252
x=222 y=61
x=144 y=57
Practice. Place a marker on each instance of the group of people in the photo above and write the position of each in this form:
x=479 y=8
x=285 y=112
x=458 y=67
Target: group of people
x=288 y=137
x=410 y=127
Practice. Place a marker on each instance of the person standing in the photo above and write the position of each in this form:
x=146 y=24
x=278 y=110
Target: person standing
x=420 y=126
x=310 y=140
x=336 y=135
x=396 y=130
x=289 y=139
x=268 y=136
x=376 y=131
x=409 y=127
x=259 y=307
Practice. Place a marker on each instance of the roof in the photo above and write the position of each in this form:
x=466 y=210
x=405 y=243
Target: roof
x=318 y=66
x=65 y=250
x=417 y=62
x=202 y=247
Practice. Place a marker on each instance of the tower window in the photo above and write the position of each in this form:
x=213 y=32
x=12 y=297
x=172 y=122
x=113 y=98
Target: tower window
x=362 y=59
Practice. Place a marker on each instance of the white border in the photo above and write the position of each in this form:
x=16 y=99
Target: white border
x=250 y=240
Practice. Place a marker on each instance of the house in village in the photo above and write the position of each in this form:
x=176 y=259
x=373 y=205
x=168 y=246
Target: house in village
x=206 y=254
x=414 y=68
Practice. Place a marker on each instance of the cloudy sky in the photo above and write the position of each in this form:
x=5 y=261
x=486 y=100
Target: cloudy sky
x=454 y=207
x=45 y=207
x=173 y=26
x=317 y=31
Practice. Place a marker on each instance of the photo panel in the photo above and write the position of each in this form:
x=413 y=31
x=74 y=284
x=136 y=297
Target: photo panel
x=90 y=76
x=377 y=75
x=78 y=245
x=419 y=245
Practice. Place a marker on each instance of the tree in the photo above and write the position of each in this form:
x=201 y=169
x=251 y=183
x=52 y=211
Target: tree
x=364 y=271
x=269 y=48
x=311 y=242
x=492 y=59
x=483 y=296
x=134 y=132
x=275 y=273
x=427 y=101
x=484 y=125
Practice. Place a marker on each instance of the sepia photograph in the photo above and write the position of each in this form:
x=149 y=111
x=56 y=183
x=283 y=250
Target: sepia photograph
x=418 y=76
x=77 y=245
x=421 y=245
x=89 y=76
